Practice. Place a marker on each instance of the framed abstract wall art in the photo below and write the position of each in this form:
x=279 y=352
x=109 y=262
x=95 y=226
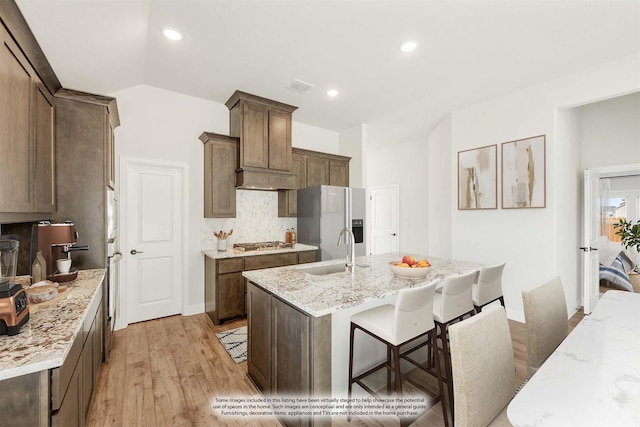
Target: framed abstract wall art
x=523 y=173
x=478 y=178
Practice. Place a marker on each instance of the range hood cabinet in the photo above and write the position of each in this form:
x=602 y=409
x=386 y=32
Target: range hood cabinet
x=258 y=179
x=263 y=127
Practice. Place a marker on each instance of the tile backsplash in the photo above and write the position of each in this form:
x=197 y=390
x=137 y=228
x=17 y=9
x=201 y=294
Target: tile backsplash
x=256 y=220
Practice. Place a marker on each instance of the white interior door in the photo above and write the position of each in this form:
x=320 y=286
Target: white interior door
x=591 y=228
x=590 y=238
x=153 y=239
x=385 y=214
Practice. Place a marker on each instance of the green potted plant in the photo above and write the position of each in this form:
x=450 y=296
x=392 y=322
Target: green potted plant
x=629 y=233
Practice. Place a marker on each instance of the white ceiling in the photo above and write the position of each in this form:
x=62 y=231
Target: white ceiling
x=468 y=50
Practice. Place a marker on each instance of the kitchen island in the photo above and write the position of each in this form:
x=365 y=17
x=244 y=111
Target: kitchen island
x=299 y=316
x=49 y=369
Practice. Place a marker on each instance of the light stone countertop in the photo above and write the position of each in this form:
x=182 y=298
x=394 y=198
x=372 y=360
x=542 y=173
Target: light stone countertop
x=593 y=377
x=319 y=295
x=213 y=253
x=46 y=339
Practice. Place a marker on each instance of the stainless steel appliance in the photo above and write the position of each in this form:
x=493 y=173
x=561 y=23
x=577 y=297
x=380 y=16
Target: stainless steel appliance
x=112 y=287
x=14 y=307
x=325 y=210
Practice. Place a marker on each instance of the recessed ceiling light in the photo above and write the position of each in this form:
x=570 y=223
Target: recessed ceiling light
x=409 y=46
x=332 y=93
x=172 y=34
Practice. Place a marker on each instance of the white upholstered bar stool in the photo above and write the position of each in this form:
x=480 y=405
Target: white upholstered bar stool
x=546 y=319
x=395 y=325
x=488 y=286
x=483 y=368
x=450 y=304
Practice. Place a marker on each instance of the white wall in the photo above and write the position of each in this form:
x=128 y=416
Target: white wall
x=536 y=243
x=353 y=144
x=162 y=125
x=439 y=201
x=608 y=129
x=314 y=138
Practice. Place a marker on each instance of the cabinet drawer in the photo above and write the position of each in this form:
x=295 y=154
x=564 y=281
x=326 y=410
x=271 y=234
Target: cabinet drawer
x=269 y=261
x=230 y=265
x=307 y=256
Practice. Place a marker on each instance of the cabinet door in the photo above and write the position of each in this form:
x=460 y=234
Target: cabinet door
x=288 y=199
x=86 y=365
x=279 y=140
x=220 y=179
x=69 y=414
x=307 y=256
x=290 y=364
x=44 y=180
x=98 y=342
x=339 y=174
x=317 y=171
x=254 y=150
x=16 y=77
x=259 y=337
x=231 y=302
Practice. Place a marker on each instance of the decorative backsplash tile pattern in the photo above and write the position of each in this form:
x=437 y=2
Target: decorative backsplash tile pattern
x=256 y=220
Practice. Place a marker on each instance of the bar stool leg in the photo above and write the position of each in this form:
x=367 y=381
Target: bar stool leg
x=351 y=334
x=396 y=371
x=433 y=336
x=447 y=364
x=388 y=370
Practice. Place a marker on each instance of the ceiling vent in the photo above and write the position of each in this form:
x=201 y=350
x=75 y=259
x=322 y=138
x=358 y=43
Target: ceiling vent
x=299 y=86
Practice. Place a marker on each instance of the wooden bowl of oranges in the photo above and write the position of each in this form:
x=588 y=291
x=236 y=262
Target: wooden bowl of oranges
x=409 y=268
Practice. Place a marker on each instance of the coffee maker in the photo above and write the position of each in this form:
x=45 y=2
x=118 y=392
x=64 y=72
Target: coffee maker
x=14 y=307
x=56 y=241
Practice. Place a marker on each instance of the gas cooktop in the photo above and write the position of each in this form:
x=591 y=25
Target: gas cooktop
x=261 y=246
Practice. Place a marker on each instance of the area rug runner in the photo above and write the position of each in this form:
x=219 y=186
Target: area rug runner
x=235 y=342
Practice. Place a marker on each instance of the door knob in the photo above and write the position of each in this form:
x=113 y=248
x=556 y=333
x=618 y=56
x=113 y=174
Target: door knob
x=133 y=252
x=392 y=234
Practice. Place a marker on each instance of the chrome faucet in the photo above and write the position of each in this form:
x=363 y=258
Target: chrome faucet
x=351 y=250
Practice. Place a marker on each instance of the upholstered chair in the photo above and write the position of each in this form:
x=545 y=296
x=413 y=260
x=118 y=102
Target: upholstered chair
x=545 y=315
x=483 y=369
x=450 y=304
x=488 y=286
x=410 y=318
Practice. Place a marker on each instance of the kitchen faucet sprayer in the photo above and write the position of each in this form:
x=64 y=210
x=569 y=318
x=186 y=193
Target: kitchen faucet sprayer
x=351 y=250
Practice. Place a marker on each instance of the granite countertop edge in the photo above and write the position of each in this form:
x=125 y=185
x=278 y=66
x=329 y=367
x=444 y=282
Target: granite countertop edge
x=25 y=346
x=320 y=295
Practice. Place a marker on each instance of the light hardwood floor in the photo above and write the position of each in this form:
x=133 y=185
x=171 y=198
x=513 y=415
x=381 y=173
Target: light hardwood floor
x=167 y=372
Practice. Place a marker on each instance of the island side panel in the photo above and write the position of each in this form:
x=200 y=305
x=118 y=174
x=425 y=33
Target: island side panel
x=259 y=337
x=288 y=352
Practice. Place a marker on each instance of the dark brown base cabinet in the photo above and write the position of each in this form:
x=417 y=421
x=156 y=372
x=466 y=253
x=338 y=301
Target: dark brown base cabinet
x=288 y=351
x=225 y=287
x=59 y=396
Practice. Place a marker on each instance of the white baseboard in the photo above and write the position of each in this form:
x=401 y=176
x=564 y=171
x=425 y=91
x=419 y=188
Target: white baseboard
x=190 y=310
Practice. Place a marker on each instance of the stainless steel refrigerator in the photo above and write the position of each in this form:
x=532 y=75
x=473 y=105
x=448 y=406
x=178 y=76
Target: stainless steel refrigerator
x=323 y=211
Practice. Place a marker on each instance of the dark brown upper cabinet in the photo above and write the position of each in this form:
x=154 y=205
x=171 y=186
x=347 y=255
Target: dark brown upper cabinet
x=220 y=152
x=264 y=129
x=312 y=168
x=26 y=136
